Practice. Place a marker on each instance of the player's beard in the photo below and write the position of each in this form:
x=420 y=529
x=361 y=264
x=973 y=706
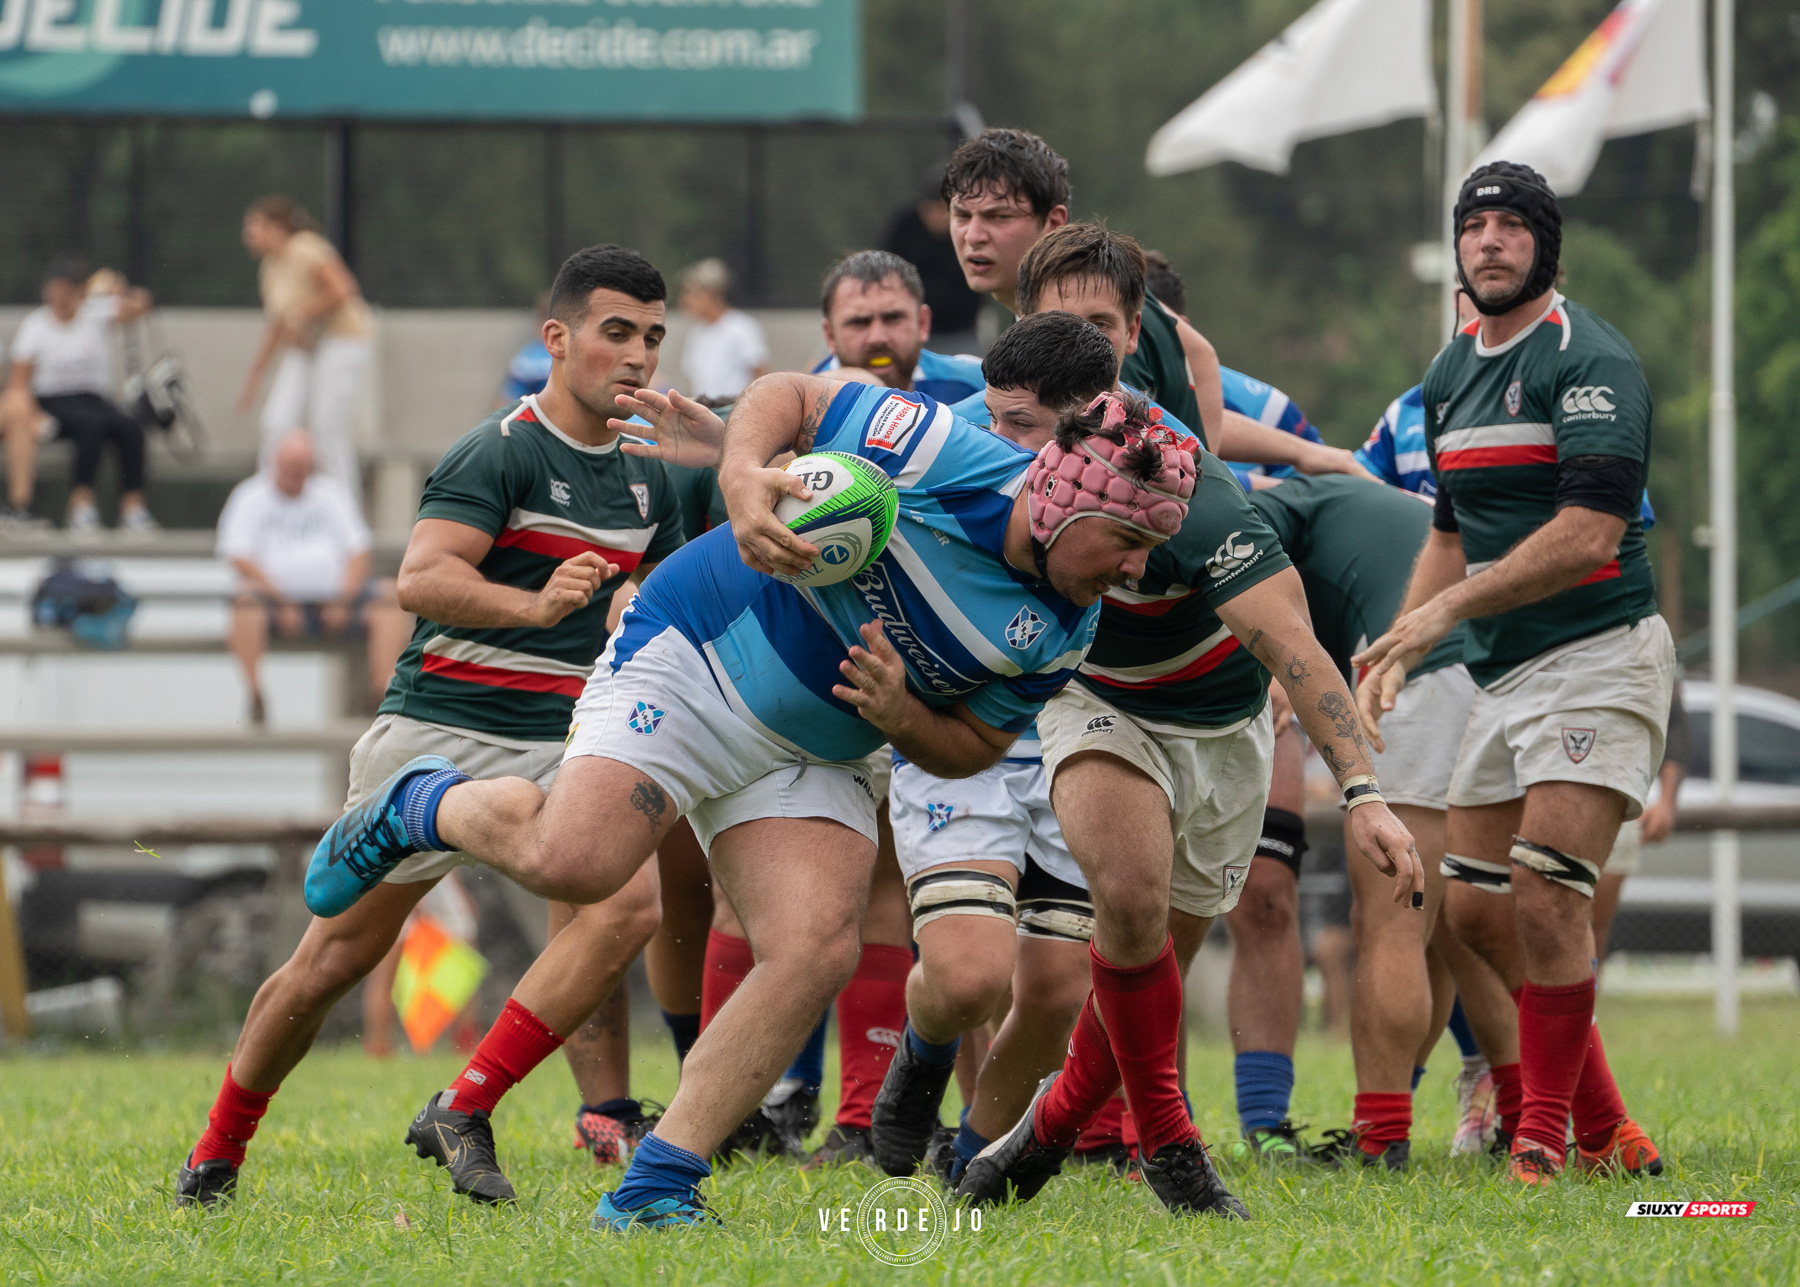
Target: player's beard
x=897 y=374
x=1490 y=292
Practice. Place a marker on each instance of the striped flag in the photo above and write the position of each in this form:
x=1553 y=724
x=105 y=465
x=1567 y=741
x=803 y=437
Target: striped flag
x=438 y=974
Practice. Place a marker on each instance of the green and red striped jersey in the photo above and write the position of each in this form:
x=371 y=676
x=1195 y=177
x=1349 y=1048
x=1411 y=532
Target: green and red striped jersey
x=1497 y=423
x=1162 y=654
x=544 y=498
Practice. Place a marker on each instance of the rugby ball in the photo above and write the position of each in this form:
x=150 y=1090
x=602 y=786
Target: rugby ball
x=849 y=518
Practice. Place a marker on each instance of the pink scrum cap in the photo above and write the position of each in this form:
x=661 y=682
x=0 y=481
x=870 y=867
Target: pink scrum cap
x=1062 y=486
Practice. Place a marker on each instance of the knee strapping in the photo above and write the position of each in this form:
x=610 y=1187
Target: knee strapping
x=1495 y=878
x=1066 y=920
x=1575 y=873
x=956 y=891
x=1283 y=838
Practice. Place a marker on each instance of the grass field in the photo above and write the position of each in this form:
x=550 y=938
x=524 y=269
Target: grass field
x=91 y=1141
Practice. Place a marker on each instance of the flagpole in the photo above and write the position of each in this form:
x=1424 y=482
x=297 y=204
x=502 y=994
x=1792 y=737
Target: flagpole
x=1722 y=458
x=1462 y=117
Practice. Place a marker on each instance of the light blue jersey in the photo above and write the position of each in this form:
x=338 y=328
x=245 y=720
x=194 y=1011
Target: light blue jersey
x=528 y=372
x=1266 y=405
x=944 y=377
x=969 y=626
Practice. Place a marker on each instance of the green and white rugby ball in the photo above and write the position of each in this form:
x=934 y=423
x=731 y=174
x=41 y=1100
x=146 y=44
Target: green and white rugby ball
x=849 y=518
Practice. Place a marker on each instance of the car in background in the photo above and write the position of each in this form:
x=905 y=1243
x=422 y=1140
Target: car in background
x=1768 y=745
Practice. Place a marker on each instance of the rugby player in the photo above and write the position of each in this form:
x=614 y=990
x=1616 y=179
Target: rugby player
x=1159 y=765
x=876 y=318
x=527 y=528
x=727 y=697
x=1537 y=419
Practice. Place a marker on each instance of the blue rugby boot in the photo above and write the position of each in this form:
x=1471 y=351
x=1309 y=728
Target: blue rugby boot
x=664 y=1213
x=369 y=841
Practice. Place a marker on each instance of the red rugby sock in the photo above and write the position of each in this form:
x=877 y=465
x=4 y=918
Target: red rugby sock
x=1142 y=1009
x=871 y=1012
x=1090 y=1076
x=1107 y=1128
x=1597 y=1108
x=728 y=960
x=518 y=1042
x=1382 y=1118
x=1554 y=1023
x=1509 y=1094
x=232 y=1122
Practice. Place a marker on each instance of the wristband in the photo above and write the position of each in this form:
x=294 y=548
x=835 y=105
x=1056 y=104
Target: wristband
x=1361 y=790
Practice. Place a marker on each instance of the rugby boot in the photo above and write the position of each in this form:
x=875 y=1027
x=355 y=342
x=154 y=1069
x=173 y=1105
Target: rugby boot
x=1477 y=1116
x=463 y=1143
x=940 y=1156
x=1629 y=1150
x=1533 y=1164
x=664 y=1213
x=794 y=1110
x=1014 y=1167
x=364 y=845
x=757 y=1134
x=1182 y=1175
x=611 y=1135
x=842 y=1144
x=1339 y=1147
x=206 y=1185
x=906 y=1109
x=1117 y=1156
x=1278 y=1143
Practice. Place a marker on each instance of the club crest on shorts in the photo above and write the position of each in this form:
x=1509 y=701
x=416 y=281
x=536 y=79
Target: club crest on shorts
x=1577 y=742
x=1024 y=629
x=1515 y=397
x=641 y=491
x=644 y=719
x=937 y=816
x=1234 y=876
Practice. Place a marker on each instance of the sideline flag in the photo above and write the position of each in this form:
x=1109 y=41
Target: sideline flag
x=1342 y=65
x=438 y=974
x=1642 y=69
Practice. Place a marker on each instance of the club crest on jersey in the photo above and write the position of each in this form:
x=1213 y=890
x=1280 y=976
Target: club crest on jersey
x=894 y=422
x=641 y=493
x=644 y=719
x=1024 y=629
x=1577 y=742
x=1515 y=398
x=937 y=816
x=559 y=491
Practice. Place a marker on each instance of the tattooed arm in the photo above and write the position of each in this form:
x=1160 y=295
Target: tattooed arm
x=1270 y=619
x=776 y=414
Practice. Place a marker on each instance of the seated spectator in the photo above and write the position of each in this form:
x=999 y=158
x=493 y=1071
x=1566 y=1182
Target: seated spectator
x=61 y=387
x=301 y=551
x=529 y=370
x=724 y=349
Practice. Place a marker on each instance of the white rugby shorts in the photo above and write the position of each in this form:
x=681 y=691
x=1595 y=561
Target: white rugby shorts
x=1001 y=814
x=662 y=712
x=1422 y=733
x=1594 y=711
x=1218 y=787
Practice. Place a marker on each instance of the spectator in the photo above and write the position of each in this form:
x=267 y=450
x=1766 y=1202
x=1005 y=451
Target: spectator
x=318 y=321
x=529 y=370
x=724 y=349
x=1164 y=282
x=920 y=234
x=301 y=551
x=61 y=386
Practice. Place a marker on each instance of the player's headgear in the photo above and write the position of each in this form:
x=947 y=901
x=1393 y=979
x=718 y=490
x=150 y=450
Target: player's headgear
x=1115 y=460
x=1507 y=185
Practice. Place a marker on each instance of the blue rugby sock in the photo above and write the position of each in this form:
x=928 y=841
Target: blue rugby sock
x=684 y=1030
x=968 y=1144
x=659 y=1170
x=1418 y=1076
x=418 y=803
x=808 y=1067
x=937 y=1056
x=1265 y=1084
x=1464 y=1034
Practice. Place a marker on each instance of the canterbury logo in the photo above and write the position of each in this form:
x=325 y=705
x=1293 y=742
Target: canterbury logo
x=1228 y=558
x=1587 y=397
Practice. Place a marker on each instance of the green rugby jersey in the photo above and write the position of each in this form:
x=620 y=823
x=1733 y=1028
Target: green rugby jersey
x=544 y=498
x=697 y=493
x=1497 y=421
x=1354 y=541
x=1160 y=366
x=1162 y=655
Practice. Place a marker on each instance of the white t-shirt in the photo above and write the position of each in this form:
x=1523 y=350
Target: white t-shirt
x=69 y=357
x=303 y=543
x=720 y=358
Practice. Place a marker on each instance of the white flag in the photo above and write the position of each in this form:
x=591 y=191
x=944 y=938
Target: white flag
x=1642 y=69
x=1342 y=65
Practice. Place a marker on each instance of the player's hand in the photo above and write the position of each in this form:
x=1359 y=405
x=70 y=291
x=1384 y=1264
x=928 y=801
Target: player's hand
x=763 y=541
x=686 y=433
x=1317 y=458
x=876 y=680
x=1408 y=639
x=570 y=588
x=1386 y=842
x=1659 y=820
x=1375 y=697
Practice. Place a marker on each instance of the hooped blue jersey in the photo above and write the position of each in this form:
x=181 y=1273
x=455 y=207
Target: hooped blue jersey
x=1266 y=405
x=943 y=377
x=968 y=625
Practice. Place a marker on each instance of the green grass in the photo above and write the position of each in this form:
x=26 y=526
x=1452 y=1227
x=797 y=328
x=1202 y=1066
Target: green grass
x=91 y=1141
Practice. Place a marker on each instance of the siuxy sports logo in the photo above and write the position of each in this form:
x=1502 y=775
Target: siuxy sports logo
x=645 y=719
x=1589 y=402
x=1024 y=628
x=1683 y=1207
x=1229 y=557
